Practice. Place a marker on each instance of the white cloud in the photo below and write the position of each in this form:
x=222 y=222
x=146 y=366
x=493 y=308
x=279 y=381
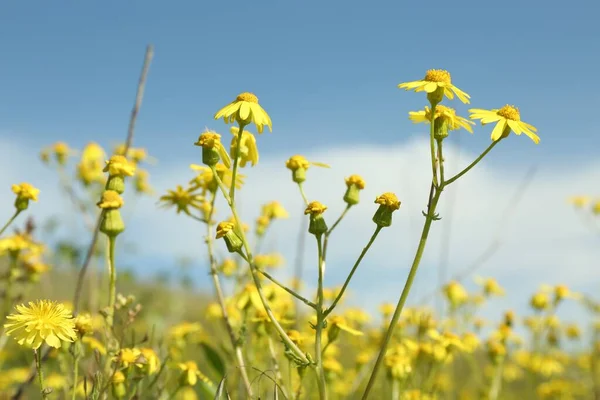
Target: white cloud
x=543 y=241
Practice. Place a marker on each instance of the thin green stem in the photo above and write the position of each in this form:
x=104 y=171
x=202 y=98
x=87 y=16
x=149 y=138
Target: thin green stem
x=10 y=279
x=286 y=339
x=75 y=375
x=474 y=163
x=336 y=223
x=278 y=376
x=221 y=299
x=10 y=221
x=440 y=158
x=432 y=145
x=407 y=286
x=236 y=160
x=290 y=291
x=319 y=326
x=38 y=365
x=496 y=385
x=301 y=187
x=356 y=264
x=112 y=285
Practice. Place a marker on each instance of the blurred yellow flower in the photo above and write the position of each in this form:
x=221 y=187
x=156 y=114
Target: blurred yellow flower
x=248 y=151
x=183 y=200
x=444 y=114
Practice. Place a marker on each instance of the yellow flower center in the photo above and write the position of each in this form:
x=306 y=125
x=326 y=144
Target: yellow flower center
x=438 y=75
x=111 y=199
x=223 y=228
x=209 y=139
x=297 y=162
x=355 y=180
x=389 y=200
x=509 y=112
x=315 y=208
x=246 y=96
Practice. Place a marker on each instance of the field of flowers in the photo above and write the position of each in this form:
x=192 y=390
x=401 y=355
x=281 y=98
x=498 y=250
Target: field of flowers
x=106 y=336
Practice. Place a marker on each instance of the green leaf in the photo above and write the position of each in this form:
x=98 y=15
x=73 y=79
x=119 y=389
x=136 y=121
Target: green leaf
x=214 y=359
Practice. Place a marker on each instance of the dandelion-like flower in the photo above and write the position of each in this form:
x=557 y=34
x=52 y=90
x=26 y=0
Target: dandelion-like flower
x=111 y=200
x=245 y=110
x=438 y=83
x=119 y=166
x=507 y=118
x=25 y=192
x=182 y=199
x=41 y=321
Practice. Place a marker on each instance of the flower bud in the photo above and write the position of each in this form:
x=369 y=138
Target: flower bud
x=112 y=223
x=317 y=225
x=354 y=185
x=388 y=203
x=226 y=230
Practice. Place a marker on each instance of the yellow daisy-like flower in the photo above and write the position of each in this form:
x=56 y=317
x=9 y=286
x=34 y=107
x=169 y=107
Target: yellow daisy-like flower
x=248 y=151
x=437 y=80
x=206 y=181
x=111 y=200
x=245 y=110
x=93 y=153
x=507 y=118
x=41 y=321
x=389 y=200
x=315 y=208
x=190 y=373
x=444 y=113
x=212 y=140
x=119 y=166
x=182 y=199
x=25 y=192
x=339 y=322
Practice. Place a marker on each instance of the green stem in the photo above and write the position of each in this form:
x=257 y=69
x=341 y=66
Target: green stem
x=221 y=299
x=278 y=376
x=319 y=326
x=286 y=339
x=301 y=187
x=432 y=145
x=9 y=286
x=407 y=286
x=236 y=162
x=440 y=158
x=338 y=221
x=290 y=291
x=172 y=396
x=474 y=163
x=10 y=221
x=356 y=264
x=75 y=374
x=38 y=365
x=497 y=381
x=112 y=286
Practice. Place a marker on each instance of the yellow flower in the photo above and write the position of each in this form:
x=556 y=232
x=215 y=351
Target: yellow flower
x=94 y=344
x=190 y=373
x=111 y=200
x=61 y=151
x=206 y=181
x=455 y=293
x=245 y=110
x=340 y=323
x=152 y=362
x=437 y=81
x=507 y=118
x=444 y=114
x=490 y=286
x=119 y=166
x=298 y=161
x=540 y=301
x=41 y=321
x=274 y=210
x=223 y=228
x=129 y=356
x=388 y=200
x=355 y=180
x=248 y=151
x=579 y=201
x=26 y=191
x=183 y=200
x=140 y=182
x=212 y=140
x=83 y=324
x=315 y=208
x=93 y=153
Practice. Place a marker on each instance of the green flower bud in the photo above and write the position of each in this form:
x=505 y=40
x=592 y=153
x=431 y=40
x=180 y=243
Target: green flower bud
x=116 y=183
x=226 y=230
x=317 y=225
x=388 y=203
x=112 y=224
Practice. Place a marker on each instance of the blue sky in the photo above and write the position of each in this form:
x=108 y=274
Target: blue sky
x=327 y=73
